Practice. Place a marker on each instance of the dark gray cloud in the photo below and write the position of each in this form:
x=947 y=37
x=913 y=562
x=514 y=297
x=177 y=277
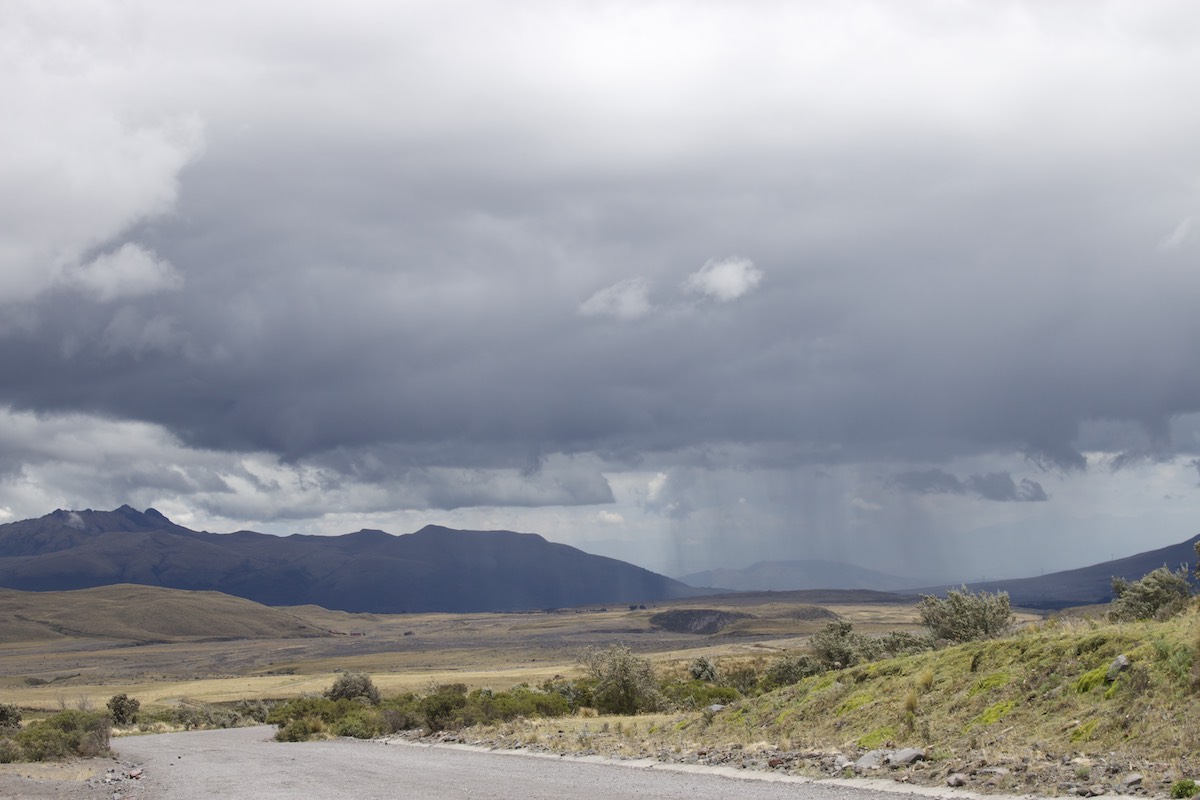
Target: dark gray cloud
x=998 y=486
x=497 y=270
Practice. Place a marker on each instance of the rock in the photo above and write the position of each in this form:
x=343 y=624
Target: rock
x=1094 y=790
x=1000 y=771
x=841 y=762
x=715 y=707
x=872 y=759
x=1132 y=780
x=1119 y=665
x=908 y=755
x=775 y=762
x=956 y=779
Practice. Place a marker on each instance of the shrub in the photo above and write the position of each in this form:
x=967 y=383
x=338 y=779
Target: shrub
x=965 y=616
x=901 y=643
x=792 y=668
x=123 y=709
x=68 y=733
x=1159 y=594
x=837 y=646
x=300 y=730
x=353 y=686
x=437 y=708
x=694 y=694
x=10 y=751
x=10 y=716
x=703 y=669
x=1185 y=788
x=625 y=682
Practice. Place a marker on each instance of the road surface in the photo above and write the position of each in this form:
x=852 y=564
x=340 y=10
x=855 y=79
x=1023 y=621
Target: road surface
x=244 y=764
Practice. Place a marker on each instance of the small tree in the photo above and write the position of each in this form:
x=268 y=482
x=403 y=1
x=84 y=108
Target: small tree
x=625 y=682
x=1159 y=594
x=354 y=686
x=964 y=616
x=123 y=709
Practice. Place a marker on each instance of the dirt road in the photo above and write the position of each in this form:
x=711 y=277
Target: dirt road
x=244 y=763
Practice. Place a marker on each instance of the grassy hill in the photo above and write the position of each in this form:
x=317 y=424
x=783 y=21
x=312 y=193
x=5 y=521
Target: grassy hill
x=1032 y=712
x=142 y=614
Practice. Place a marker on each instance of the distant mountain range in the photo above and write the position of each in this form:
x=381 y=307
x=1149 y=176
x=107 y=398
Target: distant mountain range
x=783 y=576
x=1086 y=585
x=434 y=569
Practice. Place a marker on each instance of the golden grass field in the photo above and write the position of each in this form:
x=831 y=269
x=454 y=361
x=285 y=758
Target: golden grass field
x=166 y=646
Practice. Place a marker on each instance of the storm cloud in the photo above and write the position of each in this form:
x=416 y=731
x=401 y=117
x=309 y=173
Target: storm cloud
x=319 y=267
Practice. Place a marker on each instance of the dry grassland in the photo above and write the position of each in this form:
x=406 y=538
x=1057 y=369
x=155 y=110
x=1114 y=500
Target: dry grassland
x=206 y=648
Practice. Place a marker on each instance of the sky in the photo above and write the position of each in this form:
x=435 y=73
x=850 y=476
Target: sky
x=908 y=285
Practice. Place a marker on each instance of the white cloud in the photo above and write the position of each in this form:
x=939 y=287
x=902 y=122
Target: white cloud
x=1176 y=238
x=610 y=518
x=627 y=299
x=80 y=162
x=724 y=279
x=127 y=272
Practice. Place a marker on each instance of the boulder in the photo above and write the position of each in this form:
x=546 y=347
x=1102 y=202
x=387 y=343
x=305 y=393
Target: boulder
x=908 y=755
x=1119 y=665
x=872 y=759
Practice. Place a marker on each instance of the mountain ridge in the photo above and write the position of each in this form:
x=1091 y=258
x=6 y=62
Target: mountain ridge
x=433 y=569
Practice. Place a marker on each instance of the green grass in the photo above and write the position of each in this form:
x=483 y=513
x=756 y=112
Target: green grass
x=1035 y=686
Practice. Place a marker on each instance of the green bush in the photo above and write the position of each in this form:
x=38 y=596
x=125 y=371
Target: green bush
x=625 y=682
x=10 y=716
x=300 y=730
x=73 y=732
x=792 y=668
x=353 y=686
x=196 y=717
x=1185 y=788
x=437 y=708
x=703 y=669
x=123 y=709
x=10 y=751
x=837 y=646
x=964 y=616
x=361 y=723
x=695 y=694
x=1160 y=594
x=902 y=643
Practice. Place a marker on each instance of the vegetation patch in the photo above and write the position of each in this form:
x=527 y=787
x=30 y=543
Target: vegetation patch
x=703 y=621
x=854 y=701
x=877 y=738
x=994 y=681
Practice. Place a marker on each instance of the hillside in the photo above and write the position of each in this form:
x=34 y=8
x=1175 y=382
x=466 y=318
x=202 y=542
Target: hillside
x=142 y=614
x=434 y=569
x=798 y=575
x=1085 y=585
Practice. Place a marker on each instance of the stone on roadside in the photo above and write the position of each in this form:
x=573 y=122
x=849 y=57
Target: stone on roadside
x=901 y=758
x=872 y=759
x=956 y=779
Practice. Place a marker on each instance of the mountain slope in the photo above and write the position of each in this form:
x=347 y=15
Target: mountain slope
x=1085 y=585
x=434 y=569
x=782 y=576
x=142 y=614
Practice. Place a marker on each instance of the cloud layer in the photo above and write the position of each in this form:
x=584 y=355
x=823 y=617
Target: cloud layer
x=447 y=257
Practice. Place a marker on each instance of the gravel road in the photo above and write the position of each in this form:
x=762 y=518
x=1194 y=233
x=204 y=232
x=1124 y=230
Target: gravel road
x=244 y=763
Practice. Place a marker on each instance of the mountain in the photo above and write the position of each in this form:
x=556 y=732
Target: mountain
x=434 y=569
x=783 y=576
x=1086 y=585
